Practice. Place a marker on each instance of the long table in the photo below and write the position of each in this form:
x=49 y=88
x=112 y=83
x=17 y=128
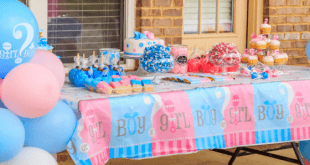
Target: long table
x=182 y=118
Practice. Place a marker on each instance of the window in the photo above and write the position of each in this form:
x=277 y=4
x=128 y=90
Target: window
x=84 y=26
x=208 y=16
x=208 y=22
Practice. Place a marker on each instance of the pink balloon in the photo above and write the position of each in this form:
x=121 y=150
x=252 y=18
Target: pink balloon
x=52 y=62
x=30 y=90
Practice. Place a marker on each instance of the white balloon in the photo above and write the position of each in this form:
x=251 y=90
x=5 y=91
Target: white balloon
x=33 y=156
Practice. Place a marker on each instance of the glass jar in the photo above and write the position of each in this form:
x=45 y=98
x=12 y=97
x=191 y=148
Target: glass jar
x=156 y=59
x=179 y=53
x=110 y=55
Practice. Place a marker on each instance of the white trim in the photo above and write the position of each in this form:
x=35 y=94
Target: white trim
x=129 y=7
x=39 y=9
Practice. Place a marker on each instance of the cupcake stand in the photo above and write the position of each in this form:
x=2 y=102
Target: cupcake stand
x=262 y=51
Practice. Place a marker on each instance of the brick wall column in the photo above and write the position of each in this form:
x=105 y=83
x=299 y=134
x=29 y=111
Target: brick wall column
x=162 y=17
x=290 y=19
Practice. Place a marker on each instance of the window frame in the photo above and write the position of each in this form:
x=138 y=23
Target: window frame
x=40 y=8
x=217 y=34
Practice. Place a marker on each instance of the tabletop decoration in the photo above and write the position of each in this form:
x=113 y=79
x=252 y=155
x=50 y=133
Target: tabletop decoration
x=225 y=55
x=156 y=59
x=194 y=63
x=179 y=53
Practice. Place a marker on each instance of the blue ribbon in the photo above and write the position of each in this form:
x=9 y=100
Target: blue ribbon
x=139 y=36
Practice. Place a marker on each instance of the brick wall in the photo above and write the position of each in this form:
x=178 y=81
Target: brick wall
x=290 y=20
x=162 y=17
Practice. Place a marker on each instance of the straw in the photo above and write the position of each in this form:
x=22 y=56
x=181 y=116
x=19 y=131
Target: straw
x=108 y=56
x=115 y=58
x=94 y=57
x=78 y=59
x=101 y=60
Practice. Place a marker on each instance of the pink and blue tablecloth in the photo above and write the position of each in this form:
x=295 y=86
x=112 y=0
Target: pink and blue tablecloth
x=191 y=119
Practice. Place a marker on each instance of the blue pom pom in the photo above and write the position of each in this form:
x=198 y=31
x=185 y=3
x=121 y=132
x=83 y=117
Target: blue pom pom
x=127 y=45
x=141 y=45
x=265 y=75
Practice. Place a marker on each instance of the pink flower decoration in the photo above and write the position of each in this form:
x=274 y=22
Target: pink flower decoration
x=134 y=50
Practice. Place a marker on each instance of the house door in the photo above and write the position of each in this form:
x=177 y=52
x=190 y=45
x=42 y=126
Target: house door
x=208 y=22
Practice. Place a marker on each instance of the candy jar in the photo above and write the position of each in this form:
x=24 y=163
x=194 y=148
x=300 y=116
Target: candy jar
x=225 y=55
x=156 y=59
x=179 y=53
x=194 y=62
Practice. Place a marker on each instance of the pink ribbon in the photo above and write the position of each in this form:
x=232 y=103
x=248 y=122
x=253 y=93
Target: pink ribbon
x=149 y=35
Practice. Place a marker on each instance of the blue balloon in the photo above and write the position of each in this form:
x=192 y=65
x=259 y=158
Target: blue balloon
x=308 y=50
x=12 y=135
x=53 y=131
x=304 y=148
x=2 y=105
x=19 y=35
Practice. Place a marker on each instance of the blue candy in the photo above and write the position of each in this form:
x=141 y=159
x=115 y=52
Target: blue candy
x=265 y=75
x=254 y=75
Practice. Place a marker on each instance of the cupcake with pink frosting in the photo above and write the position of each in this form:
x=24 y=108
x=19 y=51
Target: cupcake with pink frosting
x=265 y=28
x=274 y=43
x=253 y=41
x=268 y=60
x=244 y=57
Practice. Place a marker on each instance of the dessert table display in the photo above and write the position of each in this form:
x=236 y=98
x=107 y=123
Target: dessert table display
x=103 y=113
x=180 y=118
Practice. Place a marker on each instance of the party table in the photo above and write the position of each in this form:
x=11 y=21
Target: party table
x=181 y=118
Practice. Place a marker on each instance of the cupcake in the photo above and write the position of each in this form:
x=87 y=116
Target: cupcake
x=253 y=59
x=274 y=43
x=279 y=59
x=260 y=55
x=268 y=42
x=268 y=60
x=261 y=44
x=265 y=28
x=244 y=57
x=253 y=41
x=273 y=53
x=285 y=56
